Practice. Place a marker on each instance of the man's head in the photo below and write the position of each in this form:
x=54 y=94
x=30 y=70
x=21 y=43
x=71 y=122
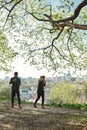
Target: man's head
x=15 y=74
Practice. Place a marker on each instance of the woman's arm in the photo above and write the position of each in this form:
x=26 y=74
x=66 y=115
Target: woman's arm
x=44 y=82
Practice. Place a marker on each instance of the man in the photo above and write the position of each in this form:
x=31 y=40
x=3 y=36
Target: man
x=16 y=82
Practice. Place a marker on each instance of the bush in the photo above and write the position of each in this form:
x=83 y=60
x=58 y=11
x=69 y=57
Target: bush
x=66 y=92
x=5 y=93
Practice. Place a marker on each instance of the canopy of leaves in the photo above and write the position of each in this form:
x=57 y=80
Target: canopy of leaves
x=7 y=54
x=50 y=36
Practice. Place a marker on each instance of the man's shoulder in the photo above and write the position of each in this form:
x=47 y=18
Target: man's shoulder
x=12 y=77
x=15 y=78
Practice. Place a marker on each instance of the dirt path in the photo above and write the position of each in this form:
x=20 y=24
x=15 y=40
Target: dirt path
x=41 y=119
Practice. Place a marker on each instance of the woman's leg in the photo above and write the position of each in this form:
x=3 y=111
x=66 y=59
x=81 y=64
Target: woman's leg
x=43 y=100
x=38 y=97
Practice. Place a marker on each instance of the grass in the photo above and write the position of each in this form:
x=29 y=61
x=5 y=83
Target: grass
x=4 y=98
x=71 y=106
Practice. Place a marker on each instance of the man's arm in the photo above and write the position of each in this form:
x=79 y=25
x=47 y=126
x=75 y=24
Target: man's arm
x=10 y=82
x=19 y=82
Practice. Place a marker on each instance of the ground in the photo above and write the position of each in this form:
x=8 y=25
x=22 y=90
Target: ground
x=50 y=118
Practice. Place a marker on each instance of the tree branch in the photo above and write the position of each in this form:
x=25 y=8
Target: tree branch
x=66 y=21
x=77 y=26
x=60 y=53
x=56 y=47
x=12 y=10
x=57 y=35
x=3 y=6
x=43 y=48
x=76 y=12
x=9 y=2
x=72 y=25
x=36 y=17
x=51 y=58
x=69 y=48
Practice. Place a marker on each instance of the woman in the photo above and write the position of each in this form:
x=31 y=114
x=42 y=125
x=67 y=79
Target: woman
x=40 y=90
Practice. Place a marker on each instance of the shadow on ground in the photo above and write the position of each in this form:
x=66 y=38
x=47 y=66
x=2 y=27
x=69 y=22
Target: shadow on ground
x=41 y=119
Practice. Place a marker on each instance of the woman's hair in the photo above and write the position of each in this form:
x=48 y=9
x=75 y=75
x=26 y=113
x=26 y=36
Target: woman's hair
x=42 y=78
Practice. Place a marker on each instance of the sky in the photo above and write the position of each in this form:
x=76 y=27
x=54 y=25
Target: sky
x=54 y=2
x=25 y=70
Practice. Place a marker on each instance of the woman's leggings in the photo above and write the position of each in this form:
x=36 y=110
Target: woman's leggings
x=38 y=97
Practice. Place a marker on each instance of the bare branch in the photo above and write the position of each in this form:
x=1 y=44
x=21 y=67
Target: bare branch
x=9 y=2
x=43 y=48
x=56 y=47
x=69 y=48
x=11 y=10
x=60 y=53
x=49 y=18
x=52 y=60
x=36 y=17
x=6 y=3
x=3 y=6
x=77 y=26
x=50 y=8
x=72 y=25
x=57 y=36
x=66 y=21
x=76 y=12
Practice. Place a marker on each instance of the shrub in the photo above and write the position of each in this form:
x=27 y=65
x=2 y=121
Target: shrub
x=5 y=93
x=66 y=92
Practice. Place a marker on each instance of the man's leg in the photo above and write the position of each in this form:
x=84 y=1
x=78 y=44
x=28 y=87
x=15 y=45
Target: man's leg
x=18 y=95
x=12 y=98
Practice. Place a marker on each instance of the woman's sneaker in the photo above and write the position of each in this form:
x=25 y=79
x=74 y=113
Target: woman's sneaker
x=42 y=107
x=20 y=107
x=35 y=106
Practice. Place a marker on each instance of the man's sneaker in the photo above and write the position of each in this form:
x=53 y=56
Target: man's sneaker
x=20 y=107
x=12 y=106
